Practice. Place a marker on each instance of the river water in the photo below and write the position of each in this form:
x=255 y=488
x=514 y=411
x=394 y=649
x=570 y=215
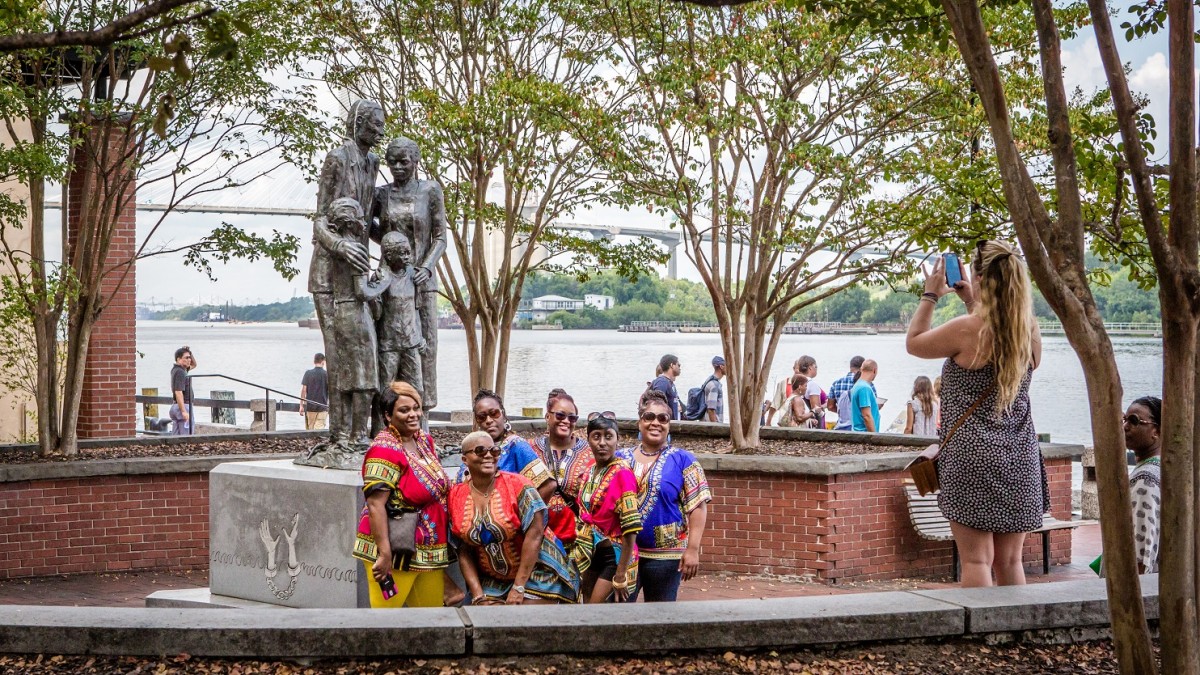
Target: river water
x=608 y=370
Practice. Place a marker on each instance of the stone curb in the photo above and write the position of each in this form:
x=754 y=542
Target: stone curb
x=1040 y=606
x=482 y=631
x=265 y=633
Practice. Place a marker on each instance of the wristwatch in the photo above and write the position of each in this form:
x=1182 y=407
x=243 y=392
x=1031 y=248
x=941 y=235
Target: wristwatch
x=519 y=589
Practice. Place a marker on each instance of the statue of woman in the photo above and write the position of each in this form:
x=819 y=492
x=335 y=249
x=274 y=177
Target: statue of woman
x=415 y=209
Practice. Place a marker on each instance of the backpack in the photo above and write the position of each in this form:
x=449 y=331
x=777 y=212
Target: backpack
x=697 y=403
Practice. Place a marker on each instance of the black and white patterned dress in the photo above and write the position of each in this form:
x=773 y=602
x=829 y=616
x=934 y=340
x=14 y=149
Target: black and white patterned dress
x=991 y=473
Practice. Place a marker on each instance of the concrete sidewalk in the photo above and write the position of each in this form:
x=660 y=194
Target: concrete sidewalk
x=130 y=589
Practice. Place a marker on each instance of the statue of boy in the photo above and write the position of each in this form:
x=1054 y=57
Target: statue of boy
x=401 y=342
x=415 y=209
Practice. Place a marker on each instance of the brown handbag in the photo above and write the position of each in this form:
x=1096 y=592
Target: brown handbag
x=923 y=468
x=402 y=532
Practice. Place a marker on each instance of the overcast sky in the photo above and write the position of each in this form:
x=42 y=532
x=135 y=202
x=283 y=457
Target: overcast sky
x=165 y=279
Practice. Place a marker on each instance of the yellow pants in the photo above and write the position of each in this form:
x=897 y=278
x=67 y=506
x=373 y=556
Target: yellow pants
x=413 y=589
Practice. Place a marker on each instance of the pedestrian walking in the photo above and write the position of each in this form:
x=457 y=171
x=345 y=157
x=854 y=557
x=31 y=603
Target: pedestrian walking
x=314 y=394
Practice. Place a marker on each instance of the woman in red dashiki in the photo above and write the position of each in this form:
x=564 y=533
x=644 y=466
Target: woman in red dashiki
x=498 y=522
x=402 y=473
x=569 y=461
x=609 y=520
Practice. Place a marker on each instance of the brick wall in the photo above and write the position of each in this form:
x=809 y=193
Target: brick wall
x=847 y=527
x=104 y=524
x=107 y=408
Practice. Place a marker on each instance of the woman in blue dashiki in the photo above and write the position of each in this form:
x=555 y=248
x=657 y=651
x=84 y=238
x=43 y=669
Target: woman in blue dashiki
x=516 y=455
x=673 y=498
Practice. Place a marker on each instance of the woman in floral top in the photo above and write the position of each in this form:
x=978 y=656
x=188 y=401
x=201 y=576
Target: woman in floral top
x=402 y=473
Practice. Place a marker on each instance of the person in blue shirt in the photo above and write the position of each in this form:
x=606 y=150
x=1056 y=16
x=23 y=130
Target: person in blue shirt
x=669 y=365
x=864 y=404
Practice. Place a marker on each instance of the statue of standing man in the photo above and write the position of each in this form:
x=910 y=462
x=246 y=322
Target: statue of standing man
x=349 y=171
x=415 y=209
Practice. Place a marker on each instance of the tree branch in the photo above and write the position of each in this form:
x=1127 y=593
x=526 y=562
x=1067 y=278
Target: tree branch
x=115 y=31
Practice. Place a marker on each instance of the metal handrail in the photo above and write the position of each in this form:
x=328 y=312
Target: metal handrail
x=267 y=391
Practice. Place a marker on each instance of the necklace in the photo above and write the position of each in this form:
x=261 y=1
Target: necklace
x=488 y=493
x=656 y=453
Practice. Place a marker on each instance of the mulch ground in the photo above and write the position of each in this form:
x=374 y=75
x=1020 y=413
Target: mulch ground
x=923 y=659
x=294 y=446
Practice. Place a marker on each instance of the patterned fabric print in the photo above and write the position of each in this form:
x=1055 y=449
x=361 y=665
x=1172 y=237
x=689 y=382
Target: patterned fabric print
x=497 y=535
x=608 y=511
x=415 y=481
x=516 y=456
x=673 y=487
x=1145 y=490
x=992 y=474
x=570 y=470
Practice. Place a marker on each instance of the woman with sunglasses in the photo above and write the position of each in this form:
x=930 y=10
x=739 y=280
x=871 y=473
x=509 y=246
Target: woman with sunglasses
x=673 y=498
x=606 y=548
x=1142 y=436
x=498 y=522
x=569 y=461
x=516 y=455
x=991 y=472
x=402 y=473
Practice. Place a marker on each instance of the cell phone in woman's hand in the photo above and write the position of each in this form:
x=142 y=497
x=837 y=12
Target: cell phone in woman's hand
x=953 y=269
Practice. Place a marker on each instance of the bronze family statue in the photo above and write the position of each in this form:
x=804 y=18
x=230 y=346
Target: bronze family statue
x=378 y=325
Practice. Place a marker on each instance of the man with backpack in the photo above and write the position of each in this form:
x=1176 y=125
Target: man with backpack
x=707 y=402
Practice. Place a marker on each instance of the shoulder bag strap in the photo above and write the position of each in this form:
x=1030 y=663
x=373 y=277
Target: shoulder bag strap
x=970 y=411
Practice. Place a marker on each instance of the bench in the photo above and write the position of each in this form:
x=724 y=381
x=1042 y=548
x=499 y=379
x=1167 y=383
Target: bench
x=931 y=524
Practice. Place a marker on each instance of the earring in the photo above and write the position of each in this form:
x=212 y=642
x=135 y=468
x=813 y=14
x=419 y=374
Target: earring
x=507 y=428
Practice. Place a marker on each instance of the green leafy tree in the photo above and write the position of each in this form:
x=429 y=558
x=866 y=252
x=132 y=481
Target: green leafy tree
x=506 y=99
x=764 y=132
x=194 y=123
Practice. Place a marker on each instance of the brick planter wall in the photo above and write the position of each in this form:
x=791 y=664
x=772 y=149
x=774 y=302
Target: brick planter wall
x=104 y=524
x=837 y=519
x=841 y=527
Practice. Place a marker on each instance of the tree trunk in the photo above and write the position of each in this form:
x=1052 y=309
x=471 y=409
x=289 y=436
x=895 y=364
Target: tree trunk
x=1055 y=253
x=1177 y=563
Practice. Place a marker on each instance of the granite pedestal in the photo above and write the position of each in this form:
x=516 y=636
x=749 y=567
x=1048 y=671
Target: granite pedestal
x=282 y=534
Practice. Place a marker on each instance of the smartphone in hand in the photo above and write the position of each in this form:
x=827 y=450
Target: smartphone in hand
x=953 y=269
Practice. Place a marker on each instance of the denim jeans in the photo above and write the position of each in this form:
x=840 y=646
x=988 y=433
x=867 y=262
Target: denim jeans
x=658 y=579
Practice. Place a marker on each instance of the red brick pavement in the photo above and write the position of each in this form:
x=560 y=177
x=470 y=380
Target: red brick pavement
x=130 y=589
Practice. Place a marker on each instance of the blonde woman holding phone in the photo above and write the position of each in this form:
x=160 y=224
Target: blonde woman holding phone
x=992 y=476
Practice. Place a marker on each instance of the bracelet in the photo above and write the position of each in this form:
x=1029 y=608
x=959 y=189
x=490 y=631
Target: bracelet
x=478 y=600
x=932 y=300
x=931 y=295
x=622 y=583
x=621 y=586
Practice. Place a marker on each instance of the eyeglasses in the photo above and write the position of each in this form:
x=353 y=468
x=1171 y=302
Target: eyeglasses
x=494 y=413
x=662 y=418
x=608 y=414
x=560 y=416
x=481 y=451
x=1135 y=421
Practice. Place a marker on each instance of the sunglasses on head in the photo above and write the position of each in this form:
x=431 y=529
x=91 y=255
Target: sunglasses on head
x=481 y=451
x=1135 y=421
x=662 y=418
x=560 y=416
x=494 y=413
x=607 y=414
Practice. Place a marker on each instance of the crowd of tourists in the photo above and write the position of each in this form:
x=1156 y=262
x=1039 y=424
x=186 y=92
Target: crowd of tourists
x=553 y=519
x=564 y=519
